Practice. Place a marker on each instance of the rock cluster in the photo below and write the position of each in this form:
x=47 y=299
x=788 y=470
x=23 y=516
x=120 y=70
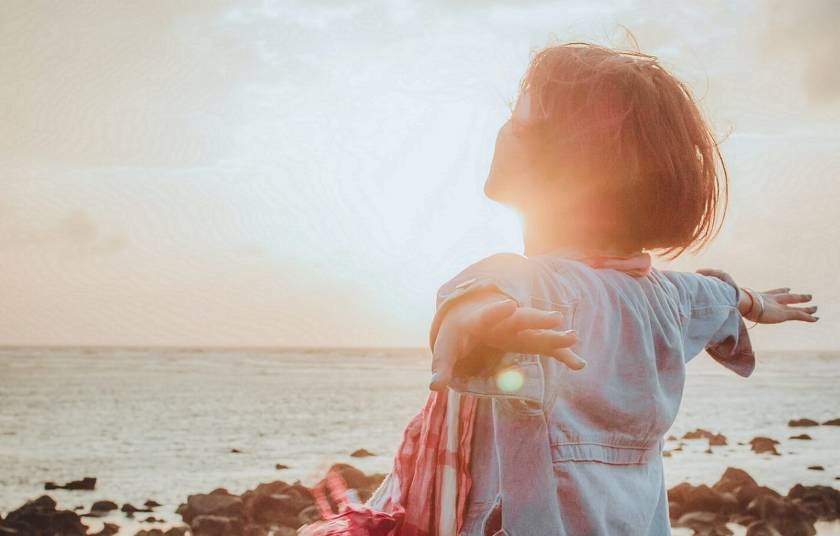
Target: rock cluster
x=39 y=517
x=738 y=498
x=279 y=508
x=276 y=507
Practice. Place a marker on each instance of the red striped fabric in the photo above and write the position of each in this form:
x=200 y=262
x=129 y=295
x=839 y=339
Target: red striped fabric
x=408 y=503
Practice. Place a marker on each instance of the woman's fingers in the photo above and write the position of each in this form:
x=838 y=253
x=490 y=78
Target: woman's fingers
x=531 y=318
x=787 y=298
x=487 y=316
x=444 y=355
x=777 y=291
x=543 y=341
x=569 y=358
x=549 y=343
x=806 y=314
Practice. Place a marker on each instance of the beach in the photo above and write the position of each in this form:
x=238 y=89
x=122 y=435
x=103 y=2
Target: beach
x=162 y=424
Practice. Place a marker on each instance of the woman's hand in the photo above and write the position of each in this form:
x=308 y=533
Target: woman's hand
x=777 y=307
x=494 y=321
x=777 y=303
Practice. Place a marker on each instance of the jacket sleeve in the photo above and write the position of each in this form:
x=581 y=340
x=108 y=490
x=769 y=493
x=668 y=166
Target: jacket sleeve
x=487 y=371
x=711 y=320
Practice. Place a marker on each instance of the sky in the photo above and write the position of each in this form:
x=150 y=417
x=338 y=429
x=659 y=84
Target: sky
x=309 y=173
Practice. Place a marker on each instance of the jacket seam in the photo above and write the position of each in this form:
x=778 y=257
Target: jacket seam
x=561 y=444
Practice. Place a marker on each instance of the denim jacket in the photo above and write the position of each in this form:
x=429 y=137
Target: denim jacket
x=562 y=452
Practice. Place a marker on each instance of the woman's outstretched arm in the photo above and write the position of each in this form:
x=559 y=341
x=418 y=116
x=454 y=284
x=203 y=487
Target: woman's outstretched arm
x=771 y=306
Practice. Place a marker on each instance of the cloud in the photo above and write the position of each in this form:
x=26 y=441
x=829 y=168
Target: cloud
x=807 y=32
x=75 y=231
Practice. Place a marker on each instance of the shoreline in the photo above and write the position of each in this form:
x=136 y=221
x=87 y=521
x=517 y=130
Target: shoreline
x=736 y=501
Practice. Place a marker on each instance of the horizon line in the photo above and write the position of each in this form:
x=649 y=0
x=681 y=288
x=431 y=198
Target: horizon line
x=295 y=348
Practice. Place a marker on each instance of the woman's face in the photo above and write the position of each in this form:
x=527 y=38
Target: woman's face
x=520 y=178
x=508 y=170
x=515 y=178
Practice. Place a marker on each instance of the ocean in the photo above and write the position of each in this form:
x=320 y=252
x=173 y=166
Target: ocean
x=164 y=423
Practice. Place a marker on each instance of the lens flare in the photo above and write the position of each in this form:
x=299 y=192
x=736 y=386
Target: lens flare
x=510 y=380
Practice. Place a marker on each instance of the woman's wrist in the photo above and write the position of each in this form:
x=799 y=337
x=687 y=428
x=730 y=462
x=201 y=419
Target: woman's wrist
x=750 y=304
x=745 y=301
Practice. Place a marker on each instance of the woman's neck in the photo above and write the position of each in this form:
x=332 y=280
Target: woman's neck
x=539 y=238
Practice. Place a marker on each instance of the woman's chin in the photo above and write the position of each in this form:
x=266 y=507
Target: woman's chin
x=493 y=188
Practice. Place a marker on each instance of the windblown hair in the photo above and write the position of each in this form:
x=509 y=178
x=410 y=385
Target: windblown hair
x=620 y=121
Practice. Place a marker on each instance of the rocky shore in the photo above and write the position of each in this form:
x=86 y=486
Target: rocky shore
x=279 y=508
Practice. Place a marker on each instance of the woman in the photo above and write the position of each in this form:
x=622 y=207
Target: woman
x=556 y=373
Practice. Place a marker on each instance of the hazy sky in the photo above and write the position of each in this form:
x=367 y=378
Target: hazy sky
x=308 y=173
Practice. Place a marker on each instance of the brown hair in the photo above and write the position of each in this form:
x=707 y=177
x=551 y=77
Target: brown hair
x=621 y=122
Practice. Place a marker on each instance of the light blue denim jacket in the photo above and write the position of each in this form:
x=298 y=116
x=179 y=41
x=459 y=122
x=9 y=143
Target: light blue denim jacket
x=562 y=452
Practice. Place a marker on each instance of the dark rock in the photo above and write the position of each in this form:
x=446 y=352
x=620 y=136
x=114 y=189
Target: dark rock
x=764 y=444
x=785 y=516
x=732 y=479
x=235 y=451
x=210 y=505
x=747 y=494
x=211 y=525
x=762 y=528
x=175 y=531
x=816 y=468
x=361 y=453
x=666 y=454
x=103 y=506
x=280 y=466
x=256 y=530
x=685 y=498
x=822 y=502
x=672 y=437
x=109 y=529
x=698 y=434
x=802 y=423
x=40 y=518
x=151 y=503
x=153 y=519
x=271 y=488
x=704 y=523
x=742 y=519
x=353 y=478
x=86 y=483
x=274 y=509
x=801 y=436
x=717 y=440
x=130 y=509
x=832 y=422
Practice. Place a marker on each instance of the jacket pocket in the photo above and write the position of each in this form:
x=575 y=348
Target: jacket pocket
x=603 y=453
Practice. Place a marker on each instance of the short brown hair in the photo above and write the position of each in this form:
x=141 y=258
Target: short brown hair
x=621 y=120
